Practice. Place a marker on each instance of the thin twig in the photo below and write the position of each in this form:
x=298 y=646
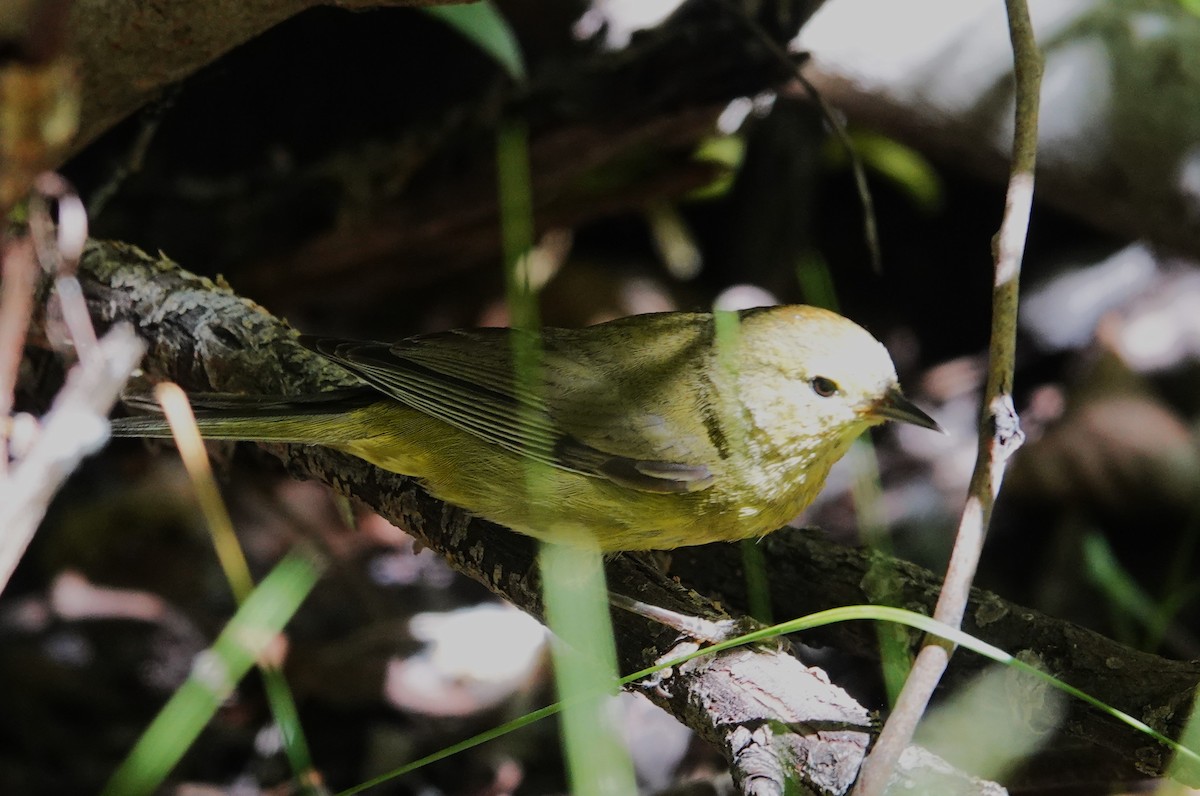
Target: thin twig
x=150 y=120
x=999 y=432
x=836 y=125
x=75 y=426
x=58 y=247
x=857 y=169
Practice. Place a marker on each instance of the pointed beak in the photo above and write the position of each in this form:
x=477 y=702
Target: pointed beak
x=894 y=406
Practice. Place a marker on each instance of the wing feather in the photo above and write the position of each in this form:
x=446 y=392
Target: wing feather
x=465 y=379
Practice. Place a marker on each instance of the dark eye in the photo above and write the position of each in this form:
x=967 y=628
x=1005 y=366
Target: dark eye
x=823 y=387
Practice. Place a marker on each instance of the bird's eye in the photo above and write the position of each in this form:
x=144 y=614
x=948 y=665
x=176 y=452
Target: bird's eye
x=823 y=387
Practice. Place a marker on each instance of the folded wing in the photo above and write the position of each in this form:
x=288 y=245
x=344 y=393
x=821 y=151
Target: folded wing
x=586 y=413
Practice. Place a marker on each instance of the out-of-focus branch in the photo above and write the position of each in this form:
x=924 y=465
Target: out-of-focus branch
x=75 y=426
x=129 y=51
x=945 y=93
x=999 y=429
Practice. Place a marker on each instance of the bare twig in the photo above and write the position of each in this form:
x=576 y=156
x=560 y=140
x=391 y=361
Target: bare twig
x=59 y=247
x=150 y=119
x=836 y=125
x=75 y=426
x=77 y=423
x=999 y=433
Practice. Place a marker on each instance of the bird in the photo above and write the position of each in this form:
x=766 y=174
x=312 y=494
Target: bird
x=648 y=432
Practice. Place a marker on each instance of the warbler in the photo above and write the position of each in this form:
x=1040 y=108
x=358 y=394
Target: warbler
x=647 y=432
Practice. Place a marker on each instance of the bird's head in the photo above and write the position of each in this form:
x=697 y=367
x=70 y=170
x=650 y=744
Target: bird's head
x=808 y=373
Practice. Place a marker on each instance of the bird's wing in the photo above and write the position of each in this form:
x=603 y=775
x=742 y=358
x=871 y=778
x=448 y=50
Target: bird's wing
x=586 y=417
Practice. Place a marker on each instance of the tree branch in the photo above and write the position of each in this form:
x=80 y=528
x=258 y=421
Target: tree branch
x=129 y=51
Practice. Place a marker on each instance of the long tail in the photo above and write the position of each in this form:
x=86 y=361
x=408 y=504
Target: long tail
x=305 y=419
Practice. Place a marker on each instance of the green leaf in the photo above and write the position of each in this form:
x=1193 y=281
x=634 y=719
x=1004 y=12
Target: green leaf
x=488 y=30
x=903 y=165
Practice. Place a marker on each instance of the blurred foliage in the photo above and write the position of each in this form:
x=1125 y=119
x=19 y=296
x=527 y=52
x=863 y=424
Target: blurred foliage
x=482 y=25
x=901 y=164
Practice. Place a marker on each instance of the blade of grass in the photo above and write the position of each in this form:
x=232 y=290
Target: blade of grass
x=895 y=660
x=882 y=579
x=572 y=578
x=1131 y=603
x=515 y=201
x=216 y=671
x=815 y=281
x=758 y=587
x=1178 y=587
x=585 y=670
x=182 y=421
x=461 y=746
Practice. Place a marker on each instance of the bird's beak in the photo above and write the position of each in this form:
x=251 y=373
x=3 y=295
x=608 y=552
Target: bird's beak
x=894 y=406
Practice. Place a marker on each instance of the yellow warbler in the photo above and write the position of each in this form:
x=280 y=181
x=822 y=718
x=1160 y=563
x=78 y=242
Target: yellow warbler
x=647 y=432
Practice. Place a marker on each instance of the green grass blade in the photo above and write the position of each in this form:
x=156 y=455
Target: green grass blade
x=237 y=571
x=214 y=675
x=287 y=717
x=1128 y=600
x=516 y=226
x=585 y=670
x=573 y=585
x=462 y=746
x=758 y=586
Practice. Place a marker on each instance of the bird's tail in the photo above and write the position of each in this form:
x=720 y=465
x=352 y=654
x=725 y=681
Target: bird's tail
x=303 y=419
